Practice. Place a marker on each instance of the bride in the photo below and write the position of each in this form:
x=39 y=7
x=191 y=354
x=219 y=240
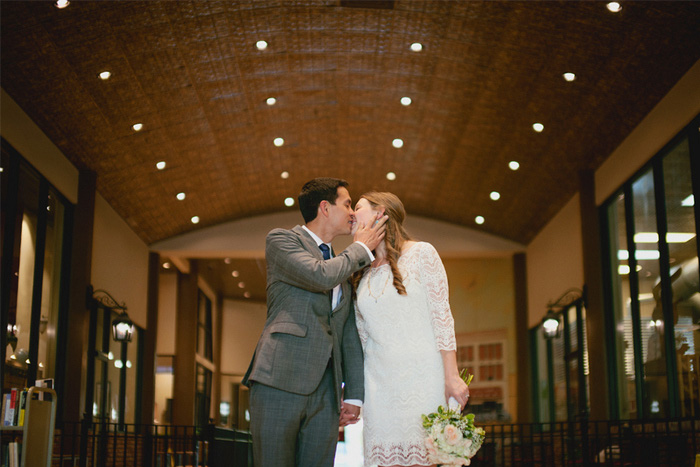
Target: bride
x=407 y=333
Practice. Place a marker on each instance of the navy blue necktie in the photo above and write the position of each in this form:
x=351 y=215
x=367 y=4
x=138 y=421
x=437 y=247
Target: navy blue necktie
x=325 y=250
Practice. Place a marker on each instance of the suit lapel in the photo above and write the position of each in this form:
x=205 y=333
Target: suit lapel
x=311 y=246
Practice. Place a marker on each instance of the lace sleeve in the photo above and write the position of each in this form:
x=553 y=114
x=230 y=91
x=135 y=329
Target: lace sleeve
x=360 y=322
x=434 y=279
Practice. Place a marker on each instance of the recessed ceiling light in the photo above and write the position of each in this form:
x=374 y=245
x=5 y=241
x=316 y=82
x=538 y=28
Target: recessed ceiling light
x=278 y=142
x=513 y=165
x=614 y=7
x=495 y=195
x=160 y=165
x=2 y=169
x=166 y=265
x=234 y=273
x=241 y=285
x=261 y=45
x=569 y=77
x=195 y=219
x=227 y=260
x=289 y=202
x=271 y=101
x=416 y=47
x=180 y=196
x=246 y=294
x=284 y=175
x=479 y=219
x=391 y=176
x=538 y=127
x=397 y=143
x=105 y=75
x=137 y=126
x=406 y=101
x=61 y=3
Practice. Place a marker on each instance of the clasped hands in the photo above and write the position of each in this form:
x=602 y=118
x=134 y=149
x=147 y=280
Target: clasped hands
x=349 y=414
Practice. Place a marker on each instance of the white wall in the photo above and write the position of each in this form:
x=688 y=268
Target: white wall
x=242 y=324
x=21 y=132
x=554 y=260
x=119 y=261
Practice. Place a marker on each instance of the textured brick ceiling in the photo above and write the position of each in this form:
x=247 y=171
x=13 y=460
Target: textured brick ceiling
x=190 y=72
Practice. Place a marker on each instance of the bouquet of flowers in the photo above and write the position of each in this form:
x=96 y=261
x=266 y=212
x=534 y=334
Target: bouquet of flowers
x=452 y=438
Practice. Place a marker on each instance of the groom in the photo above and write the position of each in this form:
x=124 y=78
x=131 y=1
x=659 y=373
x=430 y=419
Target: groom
x=309 y=345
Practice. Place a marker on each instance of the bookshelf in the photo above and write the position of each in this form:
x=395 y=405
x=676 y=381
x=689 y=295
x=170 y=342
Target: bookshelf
x=36 y=434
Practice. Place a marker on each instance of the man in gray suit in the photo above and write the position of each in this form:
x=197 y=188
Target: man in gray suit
x=309 y=346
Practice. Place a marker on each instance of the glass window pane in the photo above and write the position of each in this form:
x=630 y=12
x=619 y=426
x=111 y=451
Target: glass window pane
x=21 y=289
x=622 y=313
x=683 y=259
x=51 y=287
x=650 y=311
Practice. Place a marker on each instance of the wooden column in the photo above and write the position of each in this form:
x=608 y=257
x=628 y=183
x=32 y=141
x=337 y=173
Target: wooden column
x=185 y=347
x=148 y=387
x=595 y=310
x=76 y=355
x=218 y=335
x=524 y=396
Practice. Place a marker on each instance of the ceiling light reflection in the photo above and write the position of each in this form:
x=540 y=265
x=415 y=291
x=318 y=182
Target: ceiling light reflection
x=614 y=7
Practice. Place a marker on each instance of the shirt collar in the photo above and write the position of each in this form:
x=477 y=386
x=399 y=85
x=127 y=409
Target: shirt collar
x=316 y=238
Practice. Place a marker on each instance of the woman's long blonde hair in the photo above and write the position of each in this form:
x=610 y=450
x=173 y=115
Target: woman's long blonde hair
x=395 y=236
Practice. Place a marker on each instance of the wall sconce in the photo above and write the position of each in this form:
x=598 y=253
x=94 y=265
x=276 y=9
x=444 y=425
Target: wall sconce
x=122 y=328
x=550 y=325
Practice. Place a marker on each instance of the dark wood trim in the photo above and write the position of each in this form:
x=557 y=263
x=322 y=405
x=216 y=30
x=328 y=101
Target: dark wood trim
x=148 y=364
x=184 y=379
x=218 y=336
x=9 y=214
x=522 y=333
x=595 y=305
x=78 y=313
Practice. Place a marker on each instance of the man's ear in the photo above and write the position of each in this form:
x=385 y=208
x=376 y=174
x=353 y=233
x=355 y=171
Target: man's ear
x=323 y=208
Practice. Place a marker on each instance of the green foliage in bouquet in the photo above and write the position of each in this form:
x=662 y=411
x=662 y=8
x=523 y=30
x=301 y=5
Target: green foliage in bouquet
x=452 y=438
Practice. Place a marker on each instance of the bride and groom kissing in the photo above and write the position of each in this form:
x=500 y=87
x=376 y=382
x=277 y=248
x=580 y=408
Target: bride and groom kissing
x=368 y=328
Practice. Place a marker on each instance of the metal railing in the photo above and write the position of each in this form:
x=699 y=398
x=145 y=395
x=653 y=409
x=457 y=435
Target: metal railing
x=672 y=442
x=612 y=443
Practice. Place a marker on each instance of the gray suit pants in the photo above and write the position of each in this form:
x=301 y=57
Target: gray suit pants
x=290 y=430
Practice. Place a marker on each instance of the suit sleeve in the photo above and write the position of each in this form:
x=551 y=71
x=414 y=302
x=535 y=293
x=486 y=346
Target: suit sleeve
x=353 y=361
x=296 y=266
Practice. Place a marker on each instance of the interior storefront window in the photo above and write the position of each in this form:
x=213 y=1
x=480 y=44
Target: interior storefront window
x=622 y=309
x=51 y=287
x=650 y=310
x=19 y=319
x=33 y=225
x=683 y=262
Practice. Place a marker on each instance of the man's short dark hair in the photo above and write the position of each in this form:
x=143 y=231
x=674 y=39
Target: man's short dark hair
x=317 y=190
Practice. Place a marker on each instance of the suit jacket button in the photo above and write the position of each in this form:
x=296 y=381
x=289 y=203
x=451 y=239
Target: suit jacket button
x=362 y=262
x=329 y=332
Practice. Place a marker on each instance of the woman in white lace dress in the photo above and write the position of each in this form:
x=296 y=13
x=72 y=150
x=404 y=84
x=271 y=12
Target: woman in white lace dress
x=407 y=333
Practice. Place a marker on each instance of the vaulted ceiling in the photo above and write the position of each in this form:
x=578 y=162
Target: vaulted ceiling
x=191 y=74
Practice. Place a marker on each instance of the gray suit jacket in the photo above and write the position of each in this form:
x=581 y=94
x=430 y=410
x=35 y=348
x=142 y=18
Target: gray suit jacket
x=301 y=333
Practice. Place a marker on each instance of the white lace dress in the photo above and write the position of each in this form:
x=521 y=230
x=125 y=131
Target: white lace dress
x=402 y=336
